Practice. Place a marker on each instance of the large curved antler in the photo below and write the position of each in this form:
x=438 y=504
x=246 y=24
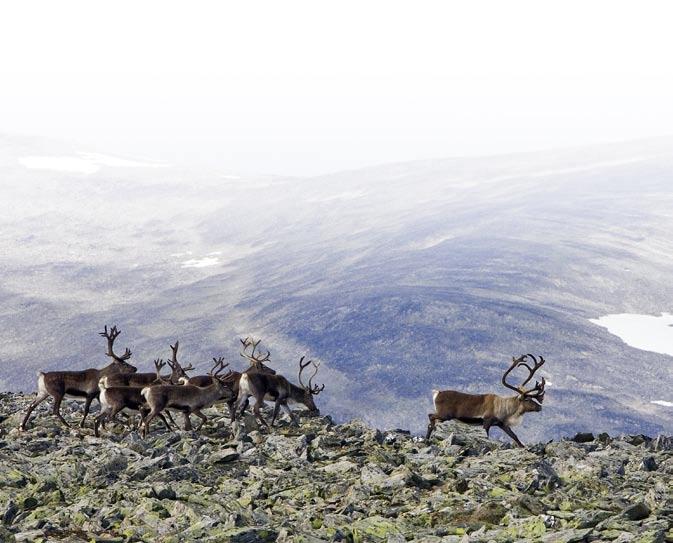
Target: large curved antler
x=537 y=364
x=515 y=363
x=111 y=336
x=313 y=389
x=218 y=367
x=537 y=391
x=254 y=359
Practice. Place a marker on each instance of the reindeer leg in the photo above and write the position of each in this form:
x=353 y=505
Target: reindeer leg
x=511 y=434
x=231 y=405
x=57 y=410
x=487 y=425
x=292 y=416
x=170 y=418
x=146 y=422
x=203 y=418
x=41 y=396
x=242 y=404
x=87 y=405
x=165 y=421
x=276 y=409
x=433 y=421
x=100 y=419
x=188 y=422
x=258 y=413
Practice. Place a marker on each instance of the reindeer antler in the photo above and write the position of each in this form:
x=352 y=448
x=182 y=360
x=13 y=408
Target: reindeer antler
x=218 y=367
x=537 y=391
x=159 y=364
x=177 y=369
x=255 y=360
x=174 y=355
x=313 y=389
x=531 y=371
x=111 y=336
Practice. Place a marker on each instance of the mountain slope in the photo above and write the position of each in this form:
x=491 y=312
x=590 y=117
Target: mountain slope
x=399 y=278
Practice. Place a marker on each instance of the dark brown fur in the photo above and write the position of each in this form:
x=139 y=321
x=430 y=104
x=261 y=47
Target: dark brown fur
x=274 y=387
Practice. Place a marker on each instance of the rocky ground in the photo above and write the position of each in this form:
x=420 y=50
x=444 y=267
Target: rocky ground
x=325 y=482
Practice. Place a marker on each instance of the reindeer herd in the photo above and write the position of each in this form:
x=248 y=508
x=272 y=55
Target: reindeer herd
x=119 y=387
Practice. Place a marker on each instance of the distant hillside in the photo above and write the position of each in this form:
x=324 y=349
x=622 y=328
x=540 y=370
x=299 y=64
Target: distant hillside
x=399 y=278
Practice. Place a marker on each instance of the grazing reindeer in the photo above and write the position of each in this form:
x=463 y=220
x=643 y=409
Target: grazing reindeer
x=189 y=399
x=276 y=387
x=81 y=384
x=117 y=398
x=491 y=409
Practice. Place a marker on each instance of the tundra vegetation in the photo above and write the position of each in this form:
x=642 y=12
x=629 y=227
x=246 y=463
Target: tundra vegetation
x=324 y=482
x=238 y=478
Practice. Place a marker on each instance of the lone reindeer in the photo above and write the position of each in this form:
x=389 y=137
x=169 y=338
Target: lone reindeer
x=491 y=409
x=79 y=384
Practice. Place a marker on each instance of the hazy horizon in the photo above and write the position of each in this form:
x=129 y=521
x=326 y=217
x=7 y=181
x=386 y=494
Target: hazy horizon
x=304 y=89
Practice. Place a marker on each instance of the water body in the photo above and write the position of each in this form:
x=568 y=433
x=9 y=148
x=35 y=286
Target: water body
x=645 y=332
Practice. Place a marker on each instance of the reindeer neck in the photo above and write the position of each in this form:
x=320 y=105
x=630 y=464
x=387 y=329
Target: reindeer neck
x=110 y=368
x=296 y=392
x=211 y=391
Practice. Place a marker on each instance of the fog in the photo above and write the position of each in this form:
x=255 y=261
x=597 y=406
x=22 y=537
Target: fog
x=305 y=88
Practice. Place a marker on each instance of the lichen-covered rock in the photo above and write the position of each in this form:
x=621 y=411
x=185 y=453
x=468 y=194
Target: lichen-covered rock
x=322 y=482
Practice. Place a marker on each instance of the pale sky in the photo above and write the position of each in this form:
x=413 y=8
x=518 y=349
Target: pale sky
x=309 y=87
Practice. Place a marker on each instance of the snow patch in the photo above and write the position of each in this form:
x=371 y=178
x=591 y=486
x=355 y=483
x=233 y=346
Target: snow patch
x=201 y=262
x=645 y=332
x=662 y=402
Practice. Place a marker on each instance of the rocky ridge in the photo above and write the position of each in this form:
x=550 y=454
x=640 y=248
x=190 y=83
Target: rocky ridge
x=324 y=482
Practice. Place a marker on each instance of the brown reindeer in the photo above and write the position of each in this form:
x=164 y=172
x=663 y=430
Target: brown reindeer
x=207 y=380
x=189 y=399
x=231 y=379
x=117 y=398
x=491 y=409
x=79 y=384
x=276 y=387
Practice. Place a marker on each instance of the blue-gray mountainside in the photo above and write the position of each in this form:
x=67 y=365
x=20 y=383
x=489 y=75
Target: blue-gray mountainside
x=399 y=278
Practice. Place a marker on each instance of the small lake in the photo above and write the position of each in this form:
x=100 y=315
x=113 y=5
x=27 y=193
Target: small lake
x=645 y=332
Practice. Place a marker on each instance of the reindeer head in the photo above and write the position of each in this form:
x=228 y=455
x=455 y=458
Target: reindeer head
x=256 y=360
x=119 y=363
x=310 y=390
x=532 y=398
x=221 y=381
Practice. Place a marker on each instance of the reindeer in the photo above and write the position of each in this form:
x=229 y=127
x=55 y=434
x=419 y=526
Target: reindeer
x=189 y=399
x=276 y=387
x=232 y=378
x=205 y=381
x=114 y=399
x=491 y=409
x=80 y=384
